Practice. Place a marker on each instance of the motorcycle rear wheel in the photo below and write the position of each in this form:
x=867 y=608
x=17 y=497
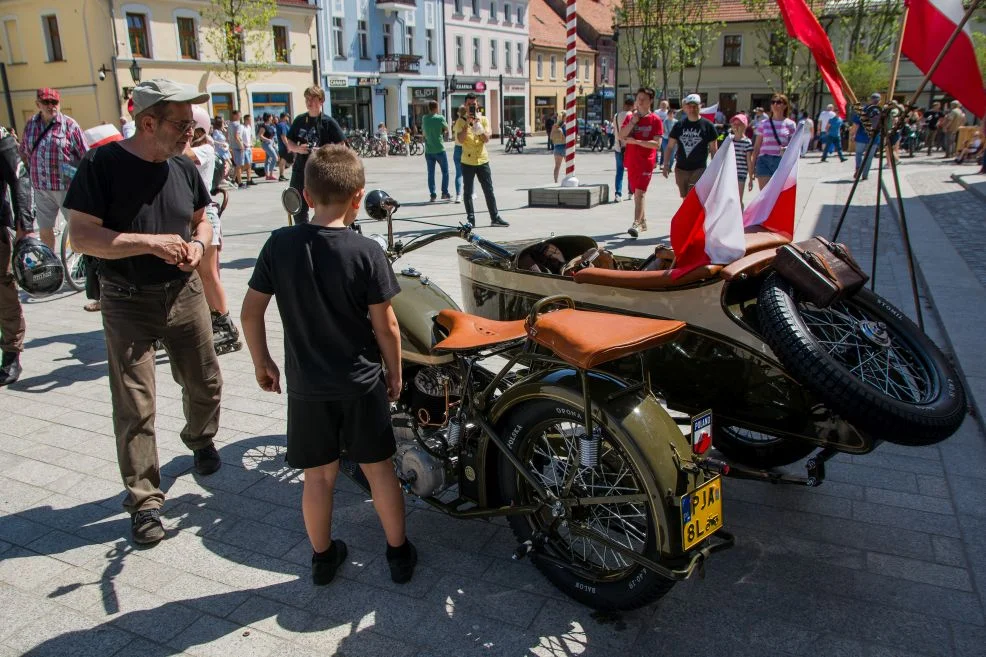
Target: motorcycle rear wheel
x=868 y=361
x=545 y=440
x=756 y=449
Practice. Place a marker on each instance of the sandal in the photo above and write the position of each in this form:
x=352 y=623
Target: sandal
x=92 y=307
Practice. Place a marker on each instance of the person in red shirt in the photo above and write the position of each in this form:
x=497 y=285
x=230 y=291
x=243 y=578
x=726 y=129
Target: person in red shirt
x=641 y=132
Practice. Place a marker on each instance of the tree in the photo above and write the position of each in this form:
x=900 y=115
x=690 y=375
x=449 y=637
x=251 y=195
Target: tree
x=784 y=64
x=979 y=43
x=865 y=73
x=237 y=28
x=871 y=26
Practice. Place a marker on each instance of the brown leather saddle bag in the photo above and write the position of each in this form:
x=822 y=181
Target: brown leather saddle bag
x=823 y=272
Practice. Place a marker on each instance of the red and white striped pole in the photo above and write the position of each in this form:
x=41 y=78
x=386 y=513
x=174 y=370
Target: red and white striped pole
x=571 y=69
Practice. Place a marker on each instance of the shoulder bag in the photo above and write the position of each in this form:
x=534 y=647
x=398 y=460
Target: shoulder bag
x=823 y=272
x=773 y=129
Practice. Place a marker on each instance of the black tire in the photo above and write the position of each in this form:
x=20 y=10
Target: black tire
x=758 y=450
x=73 y=263
x=621 y=586
x=922 y=400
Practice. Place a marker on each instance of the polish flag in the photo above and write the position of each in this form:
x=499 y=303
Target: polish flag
x=709 y=112
x=101 y=134
x=707 y=229
x=803 y=25
x=930 y=23
x=774 y=207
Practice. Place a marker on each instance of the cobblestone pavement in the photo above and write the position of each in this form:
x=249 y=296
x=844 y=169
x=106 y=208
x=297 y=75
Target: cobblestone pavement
x=885 y=559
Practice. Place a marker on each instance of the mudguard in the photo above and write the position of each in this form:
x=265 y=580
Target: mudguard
x=647 y=432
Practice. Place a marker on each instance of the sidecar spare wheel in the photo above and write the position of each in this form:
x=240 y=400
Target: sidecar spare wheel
x=756 y=449
x=547 y=441
x=868 y=361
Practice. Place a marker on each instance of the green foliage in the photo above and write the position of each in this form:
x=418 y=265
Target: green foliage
x=866 y=74
x=240 y=34
x=979 y=43
x=785 y=65
x=870 y=26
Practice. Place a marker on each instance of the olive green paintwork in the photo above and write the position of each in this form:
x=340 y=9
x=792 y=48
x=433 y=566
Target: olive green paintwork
x=416 y=307
x=645 y=430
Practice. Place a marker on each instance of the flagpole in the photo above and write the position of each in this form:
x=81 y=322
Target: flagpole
x=895 y=69
x=948 y=44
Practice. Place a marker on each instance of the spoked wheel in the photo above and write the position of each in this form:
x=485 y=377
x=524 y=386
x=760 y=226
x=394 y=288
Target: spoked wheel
x=757 y=449
x=73 y=263
x=865 y=358
x=547 y=442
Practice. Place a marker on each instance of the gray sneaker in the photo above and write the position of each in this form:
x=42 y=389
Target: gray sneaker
x=146 y=527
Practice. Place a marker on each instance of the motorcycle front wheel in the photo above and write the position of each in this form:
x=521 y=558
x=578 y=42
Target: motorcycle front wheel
x=544 y=435
x=868 y=361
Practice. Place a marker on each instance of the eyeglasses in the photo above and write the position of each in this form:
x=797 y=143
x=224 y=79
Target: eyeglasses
x=777 y=102
x=49 y=101
x=183 y=126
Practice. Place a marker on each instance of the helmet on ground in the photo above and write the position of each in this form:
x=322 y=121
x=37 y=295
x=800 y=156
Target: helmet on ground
x=36 y=268
x=377 y=203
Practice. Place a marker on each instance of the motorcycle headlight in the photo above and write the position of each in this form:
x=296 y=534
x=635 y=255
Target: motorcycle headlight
x=381 y=240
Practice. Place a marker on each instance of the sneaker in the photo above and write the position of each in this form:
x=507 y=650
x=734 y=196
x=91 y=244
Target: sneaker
x=146 y=527
x=618 y=198
x=240 y=185
x=446 y=197
x=10 y=368
x=432 y=198
x=281 y=179
x=402 y=561
x=325 y=564
x=458 y=199
x=637 y=228
x=207 y=460
x=843 y=159
x=250 y=183
x=497 y=221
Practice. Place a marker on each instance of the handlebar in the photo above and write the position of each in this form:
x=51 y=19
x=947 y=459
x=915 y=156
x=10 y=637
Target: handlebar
x=465 y=232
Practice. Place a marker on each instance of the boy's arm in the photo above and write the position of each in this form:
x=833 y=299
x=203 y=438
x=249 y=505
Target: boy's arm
x=388 y=336
x=255 y=333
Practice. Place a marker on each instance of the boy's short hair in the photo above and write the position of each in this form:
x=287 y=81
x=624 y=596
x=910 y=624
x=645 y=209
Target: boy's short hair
x=646 y=90
x=333 y=174
x=315 y=92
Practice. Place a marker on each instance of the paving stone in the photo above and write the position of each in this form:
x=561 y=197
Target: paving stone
x=20 y=608
x=259 y=537
x=19 y=497
x=25 y=569
x=969 y=639
x=919 y=571
x=948 y=551
x=272 y=617
x=487 y=599
x=935 y=505
x=144 y=648
x=932 y=486
x=905 y=593
x=67 y=547
x=69 y=633
x=211 y=637
x=864 y=474
x=891 y=516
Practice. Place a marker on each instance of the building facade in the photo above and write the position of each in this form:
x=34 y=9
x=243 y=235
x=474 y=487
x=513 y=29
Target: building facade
x=382 y=61
x=95 y=52
x=594 y=25
x=486 y=51
x=547 y=75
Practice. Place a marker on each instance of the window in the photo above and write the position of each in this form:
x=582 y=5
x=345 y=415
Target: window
x=777 y=52
x=520 y=15
x=430 y=45
x=188 y=46
x=458 y=7
x=520 y=59
x=551 y=70
x=338 y=39
x=52 y=39
x=475 y=8
x=494 y=53
x=388 y=39
x=236 y=43
x=540 y=68
x=273 y=103
x=282 y=53
x=363 y=33
x=137 y=30
x=585 y=69
x=506 y=12
x=15 y=54
x=492 y=11
x=506 y=56
x=460 y=58
x=477 y=57
x=732 y=45
x=408 y=40
x=604 y=70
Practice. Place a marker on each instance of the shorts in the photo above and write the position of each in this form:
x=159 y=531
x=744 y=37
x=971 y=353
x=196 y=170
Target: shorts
x=319 y=432
x=242 y=158
x=212 y=214
x=286 y=156
x=560 y=149
x=686 y=179
x=767 y=165
x=47 y=204
x=638 y=179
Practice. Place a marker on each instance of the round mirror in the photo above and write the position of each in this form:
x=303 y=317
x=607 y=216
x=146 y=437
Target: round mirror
x=292 y=200
x=381 y=240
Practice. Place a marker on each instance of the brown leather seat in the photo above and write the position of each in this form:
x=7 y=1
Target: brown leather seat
x=471 y=331
x=587 y=339
x=660 y=279
x=751 y=264
x=760 y=239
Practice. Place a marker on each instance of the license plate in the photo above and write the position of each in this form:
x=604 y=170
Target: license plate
x=701 y=513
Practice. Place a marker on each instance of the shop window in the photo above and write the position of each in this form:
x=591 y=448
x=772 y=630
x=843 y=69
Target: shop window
x=137 y=31
x=222 y=105
x=52 y=39
x=270 y=103
x=281 y=49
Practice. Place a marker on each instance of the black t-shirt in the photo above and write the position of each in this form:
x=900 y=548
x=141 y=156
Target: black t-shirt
x=932 y=117
x=693 y=143
x=325 y=279
x=314 y=131
x=132 y=195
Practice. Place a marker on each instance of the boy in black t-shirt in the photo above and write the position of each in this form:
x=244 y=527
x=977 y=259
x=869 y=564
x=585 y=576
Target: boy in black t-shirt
x=308 y=131
x=333 y=289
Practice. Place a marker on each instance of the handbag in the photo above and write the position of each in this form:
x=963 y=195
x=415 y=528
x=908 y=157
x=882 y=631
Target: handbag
x=823 y=272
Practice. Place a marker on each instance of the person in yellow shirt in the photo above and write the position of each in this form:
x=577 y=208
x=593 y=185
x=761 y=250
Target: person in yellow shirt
x=472 y=132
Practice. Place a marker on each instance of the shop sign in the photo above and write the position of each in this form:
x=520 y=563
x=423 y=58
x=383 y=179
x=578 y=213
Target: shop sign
x=339 y=81
x=381 y=92
x=608 y=94
x=367 y=82
x=422 y=94
x=544 y=101
x=479 y=87
x=514 y=87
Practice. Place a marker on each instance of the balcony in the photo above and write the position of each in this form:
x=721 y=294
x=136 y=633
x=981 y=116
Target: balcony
x=397 y=5
x=400 y=64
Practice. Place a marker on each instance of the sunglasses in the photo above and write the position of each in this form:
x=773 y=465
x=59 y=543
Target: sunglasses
x=777 y=102
x=49 y=101
x=183 y=126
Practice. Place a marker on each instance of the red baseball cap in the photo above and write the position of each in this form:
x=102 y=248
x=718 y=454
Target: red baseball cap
x=47 y=93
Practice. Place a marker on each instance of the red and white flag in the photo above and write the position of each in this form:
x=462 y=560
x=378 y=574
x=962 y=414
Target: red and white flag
x=929 y=25
x=774 y=207
x=709 y=112
x=101 y=134
x=708 y=229
x=802 y=24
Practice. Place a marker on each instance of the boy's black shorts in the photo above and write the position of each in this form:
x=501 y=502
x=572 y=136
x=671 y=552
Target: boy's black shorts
x=319 y=432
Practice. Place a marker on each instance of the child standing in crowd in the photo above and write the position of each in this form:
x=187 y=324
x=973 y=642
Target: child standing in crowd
x=333 y=287
x=743 y=148
x=642 y=134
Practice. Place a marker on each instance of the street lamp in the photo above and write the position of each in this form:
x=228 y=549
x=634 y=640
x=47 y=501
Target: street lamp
x=135 y=71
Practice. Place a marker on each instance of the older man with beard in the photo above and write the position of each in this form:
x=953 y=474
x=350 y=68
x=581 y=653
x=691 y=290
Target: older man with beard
x=139 y=207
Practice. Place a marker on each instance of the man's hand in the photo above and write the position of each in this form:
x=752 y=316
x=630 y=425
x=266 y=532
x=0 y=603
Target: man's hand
x=170 y=248
x=665 y=171
x=193 y=256
x=302 y=149
x=268 y=376
x=394 y=385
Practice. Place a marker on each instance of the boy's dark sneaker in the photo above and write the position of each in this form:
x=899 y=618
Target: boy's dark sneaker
x=325 y=564
x=402 y=561
x=146 y=527
x=431 y=199
x=497 y=221
x=10 y=367
x=446 y=197
x=207 y=460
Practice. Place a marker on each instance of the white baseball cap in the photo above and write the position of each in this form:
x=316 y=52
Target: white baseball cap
x=161 y=90
x=693 y=98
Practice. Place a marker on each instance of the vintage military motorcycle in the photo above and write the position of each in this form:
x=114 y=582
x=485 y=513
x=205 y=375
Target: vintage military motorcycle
x=606 y=494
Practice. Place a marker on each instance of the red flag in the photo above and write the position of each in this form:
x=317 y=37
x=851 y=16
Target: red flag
x=774 y=207
x=803 y=26
x=708 y=227
x=930 y=23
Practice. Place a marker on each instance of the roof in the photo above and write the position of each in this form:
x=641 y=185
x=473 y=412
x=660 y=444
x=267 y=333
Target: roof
x=727 y=11
x=298 y=3
x=598 y=14
x=547 y=29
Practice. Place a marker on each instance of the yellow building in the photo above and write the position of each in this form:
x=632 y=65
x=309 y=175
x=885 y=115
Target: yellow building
x=90 y=50
x=547 y=66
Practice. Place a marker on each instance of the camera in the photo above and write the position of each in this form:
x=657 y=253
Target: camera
x=472 y=110
x=102 y=75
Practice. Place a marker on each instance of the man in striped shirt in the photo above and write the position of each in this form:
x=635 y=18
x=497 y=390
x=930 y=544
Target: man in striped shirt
x=50 y=140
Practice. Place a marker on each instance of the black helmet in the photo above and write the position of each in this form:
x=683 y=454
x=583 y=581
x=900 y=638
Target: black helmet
x=377 y=202
x=37 y=269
